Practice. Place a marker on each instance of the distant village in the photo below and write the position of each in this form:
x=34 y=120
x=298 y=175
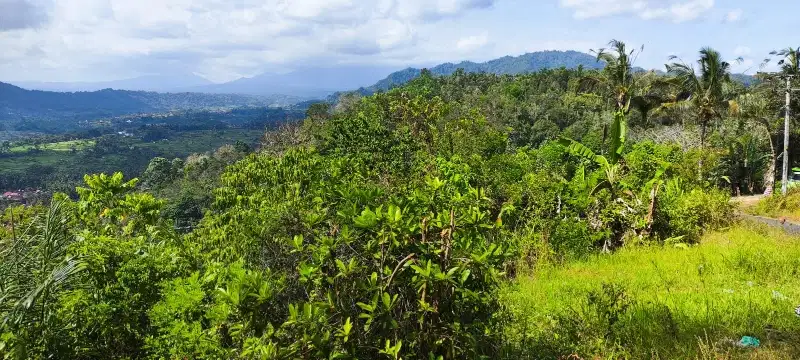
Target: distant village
x=23 y=196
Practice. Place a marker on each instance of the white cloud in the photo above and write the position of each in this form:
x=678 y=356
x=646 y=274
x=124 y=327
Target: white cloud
x=733 y=16
x=222 y=40
x=474 y=42
x=673 y=10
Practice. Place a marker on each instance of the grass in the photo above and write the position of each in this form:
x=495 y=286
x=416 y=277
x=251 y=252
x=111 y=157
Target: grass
x=57 y=146
x=186 y=143
x=23 y=163
x=664 y=302
x=779 y=206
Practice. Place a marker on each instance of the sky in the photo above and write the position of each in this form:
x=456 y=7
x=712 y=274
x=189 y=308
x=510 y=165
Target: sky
x=222 y=40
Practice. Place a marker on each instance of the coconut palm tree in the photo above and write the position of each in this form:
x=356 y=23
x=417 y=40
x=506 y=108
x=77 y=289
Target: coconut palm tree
x=704 y=90
x=617 y=77
x=789 y=60
x=790 y=67
x=627 y=89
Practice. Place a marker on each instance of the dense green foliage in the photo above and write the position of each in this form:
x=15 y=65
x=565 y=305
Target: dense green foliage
x=508 y=65
x=385 y=226
x=57 y=162
x=56 y=170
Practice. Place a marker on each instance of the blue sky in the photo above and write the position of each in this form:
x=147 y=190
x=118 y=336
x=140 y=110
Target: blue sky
x=221 y=40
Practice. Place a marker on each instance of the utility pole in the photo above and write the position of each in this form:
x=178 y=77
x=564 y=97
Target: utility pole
x=788 y=111
x=785 y=182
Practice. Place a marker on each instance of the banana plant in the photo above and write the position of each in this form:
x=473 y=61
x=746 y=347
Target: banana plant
x=610 y=165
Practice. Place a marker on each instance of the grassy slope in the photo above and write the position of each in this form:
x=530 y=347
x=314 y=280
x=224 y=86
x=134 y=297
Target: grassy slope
x=181 y=145
x=57 y=146
x=685 y=303
x=186 y=143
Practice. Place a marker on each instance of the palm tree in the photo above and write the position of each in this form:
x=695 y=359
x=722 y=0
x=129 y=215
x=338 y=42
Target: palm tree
x=789 y=62
x=703 y=90
x=619 y=82
x=790 y=67
x=617 y=77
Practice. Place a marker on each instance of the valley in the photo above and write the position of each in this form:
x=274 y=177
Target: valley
x=52 y=137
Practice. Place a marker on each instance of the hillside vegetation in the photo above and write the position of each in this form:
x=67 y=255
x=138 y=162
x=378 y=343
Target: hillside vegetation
x=508 y=65
x=58 y=162
x=58 y=110
x=436 y=220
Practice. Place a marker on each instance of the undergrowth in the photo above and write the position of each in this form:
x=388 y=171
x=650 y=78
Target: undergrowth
x=779 y=206
x=664 y=302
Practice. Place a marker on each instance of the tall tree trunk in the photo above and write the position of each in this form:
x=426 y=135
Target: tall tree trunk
x=703 y=125
x=769 y=175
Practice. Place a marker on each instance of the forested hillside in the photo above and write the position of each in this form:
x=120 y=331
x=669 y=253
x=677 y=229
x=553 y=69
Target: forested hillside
x=57 y=161
x=509 y=65
x=559 y=214
x=55 y=109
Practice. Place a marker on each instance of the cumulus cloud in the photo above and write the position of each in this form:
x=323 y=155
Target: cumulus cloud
x=222 y=40
x=21 y=14
x=672 y=10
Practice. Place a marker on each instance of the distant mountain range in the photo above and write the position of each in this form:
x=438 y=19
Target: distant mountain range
x=304 y=83
x=18 y=104
x=310 y=82
x=159 y=83
x=510 y=65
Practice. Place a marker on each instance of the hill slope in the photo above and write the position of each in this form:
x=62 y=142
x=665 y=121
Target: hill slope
x=511 y=65
x=18 y=104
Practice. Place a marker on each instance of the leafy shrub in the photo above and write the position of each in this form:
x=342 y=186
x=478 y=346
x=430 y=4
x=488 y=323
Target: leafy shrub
x=684 y=215
x=646 y=158
x=92 y=272
x=367 y=270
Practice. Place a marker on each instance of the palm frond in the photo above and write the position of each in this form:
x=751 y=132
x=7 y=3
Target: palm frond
x=589 y=83
x=42 y=267
x=56 y=280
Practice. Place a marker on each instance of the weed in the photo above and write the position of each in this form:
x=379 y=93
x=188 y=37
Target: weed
x=676 y=302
